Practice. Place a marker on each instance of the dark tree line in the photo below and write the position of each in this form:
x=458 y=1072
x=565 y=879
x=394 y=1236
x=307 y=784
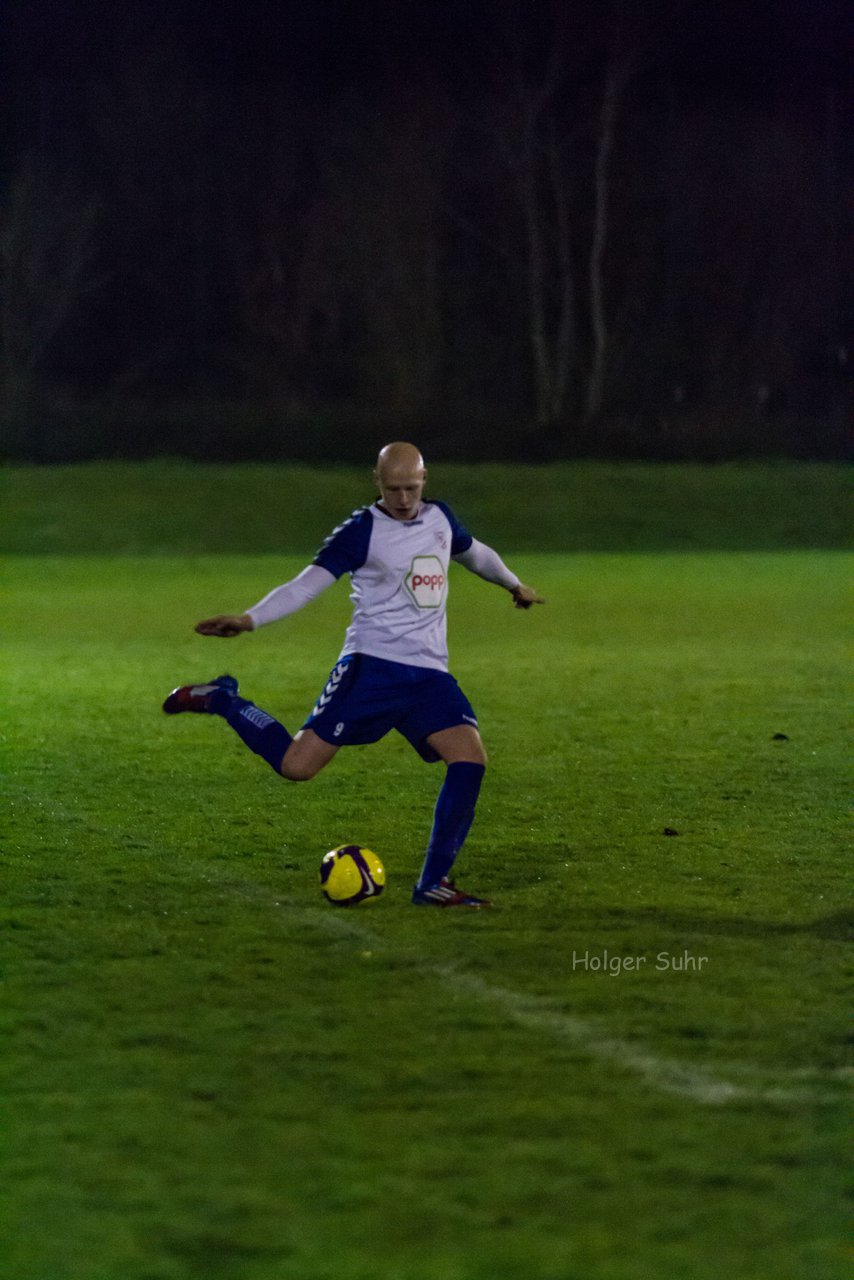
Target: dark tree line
x=565 y=253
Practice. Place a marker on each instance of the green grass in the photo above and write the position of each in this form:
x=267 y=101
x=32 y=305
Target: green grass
x=211 y=1073
x=185 y=508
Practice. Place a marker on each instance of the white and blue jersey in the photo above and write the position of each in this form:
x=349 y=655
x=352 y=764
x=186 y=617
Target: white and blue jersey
x=399 y=575
x=392 y=672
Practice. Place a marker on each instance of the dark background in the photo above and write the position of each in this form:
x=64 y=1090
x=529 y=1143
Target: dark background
x=235 y=230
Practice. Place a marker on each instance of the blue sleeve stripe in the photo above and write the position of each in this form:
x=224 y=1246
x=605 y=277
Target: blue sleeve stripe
x=346 y=548
x=461 y=539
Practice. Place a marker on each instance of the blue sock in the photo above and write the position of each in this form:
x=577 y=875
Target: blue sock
x=452 y=818
x=260 y=731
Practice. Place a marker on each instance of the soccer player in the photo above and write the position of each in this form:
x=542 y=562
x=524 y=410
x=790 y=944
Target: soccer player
x=393 y=669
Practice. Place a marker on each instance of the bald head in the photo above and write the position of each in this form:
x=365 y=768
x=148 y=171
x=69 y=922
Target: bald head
x=398 y=456
x=400 y=475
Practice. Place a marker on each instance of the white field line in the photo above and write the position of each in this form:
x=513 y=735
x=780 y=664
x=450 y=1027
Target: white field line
x=664 y=1074
x=661 y=1073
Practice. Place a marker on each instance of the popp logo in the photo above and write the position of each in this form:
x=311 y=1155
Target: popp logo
x=425 y=581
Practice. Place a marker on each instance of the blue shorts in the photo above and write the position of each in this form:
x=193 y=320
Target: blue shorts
x=366 y=697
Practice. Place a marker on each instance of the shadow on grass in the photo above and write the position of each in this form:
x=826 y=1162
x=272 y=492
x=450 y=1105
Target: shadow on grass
x=836 y=927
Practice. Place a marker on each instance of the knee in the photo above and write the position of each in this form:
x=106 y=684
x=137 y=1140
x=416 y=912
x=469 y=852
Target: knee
x=476 y=755
x=305 y=757
x=296 y=772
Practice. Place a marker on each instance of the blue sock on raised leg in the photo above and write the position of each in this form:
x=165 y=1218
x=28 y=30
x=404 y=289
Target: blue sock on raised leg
x=452 y=818
x=261 y=732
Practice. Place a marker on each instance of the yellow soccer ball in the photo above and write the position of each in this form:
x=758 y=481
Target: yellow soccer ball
x=351 y=874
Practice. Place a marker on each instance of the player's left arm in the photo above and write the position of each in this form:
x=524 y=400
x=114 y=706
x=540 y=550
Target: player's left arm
x=480 y=559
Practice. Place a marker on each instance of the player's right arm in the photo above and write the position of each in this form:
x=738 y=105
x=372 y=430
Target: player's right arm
x=343 y=552
x=278 y=603
x=224 y=624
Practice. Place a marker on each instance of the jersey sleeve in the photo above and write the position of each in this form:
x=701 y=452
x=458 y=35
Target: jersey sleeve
x=486 y=563
x=291 y=596
x=346 y=548
x=461 y=539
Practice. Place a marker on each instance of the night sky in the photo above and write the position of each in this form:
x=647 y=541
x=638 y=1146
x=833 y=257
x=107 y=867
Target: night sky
x=769 y=50
x=312 y=204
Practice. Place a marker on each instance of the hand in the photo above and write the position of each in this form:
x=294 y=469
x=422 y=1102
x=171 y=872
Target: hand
x=225 y=624
x=524 y=597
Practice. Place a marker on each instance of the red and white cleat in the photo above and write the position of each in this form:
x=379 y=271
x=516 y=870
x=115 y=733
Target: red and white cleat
x=197 y=697
x=446 y=894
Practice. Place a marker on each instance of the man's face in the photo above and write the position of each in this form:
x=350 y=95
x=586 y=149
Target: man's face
x=401 y=487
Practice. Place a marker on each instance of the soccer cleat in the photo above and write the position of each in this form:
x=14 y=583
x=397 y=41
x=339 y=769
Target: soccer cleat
x=197 y=697
x=446 y=894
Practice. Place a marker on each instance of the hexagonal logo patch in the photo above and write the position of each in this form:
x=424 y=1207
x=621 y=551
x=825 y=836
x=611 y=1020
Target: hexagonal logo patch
x=426 y=582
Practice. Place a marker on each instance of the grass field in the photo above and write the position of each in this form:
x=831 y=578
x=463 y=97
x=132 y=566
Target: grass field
x=211 y=1073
